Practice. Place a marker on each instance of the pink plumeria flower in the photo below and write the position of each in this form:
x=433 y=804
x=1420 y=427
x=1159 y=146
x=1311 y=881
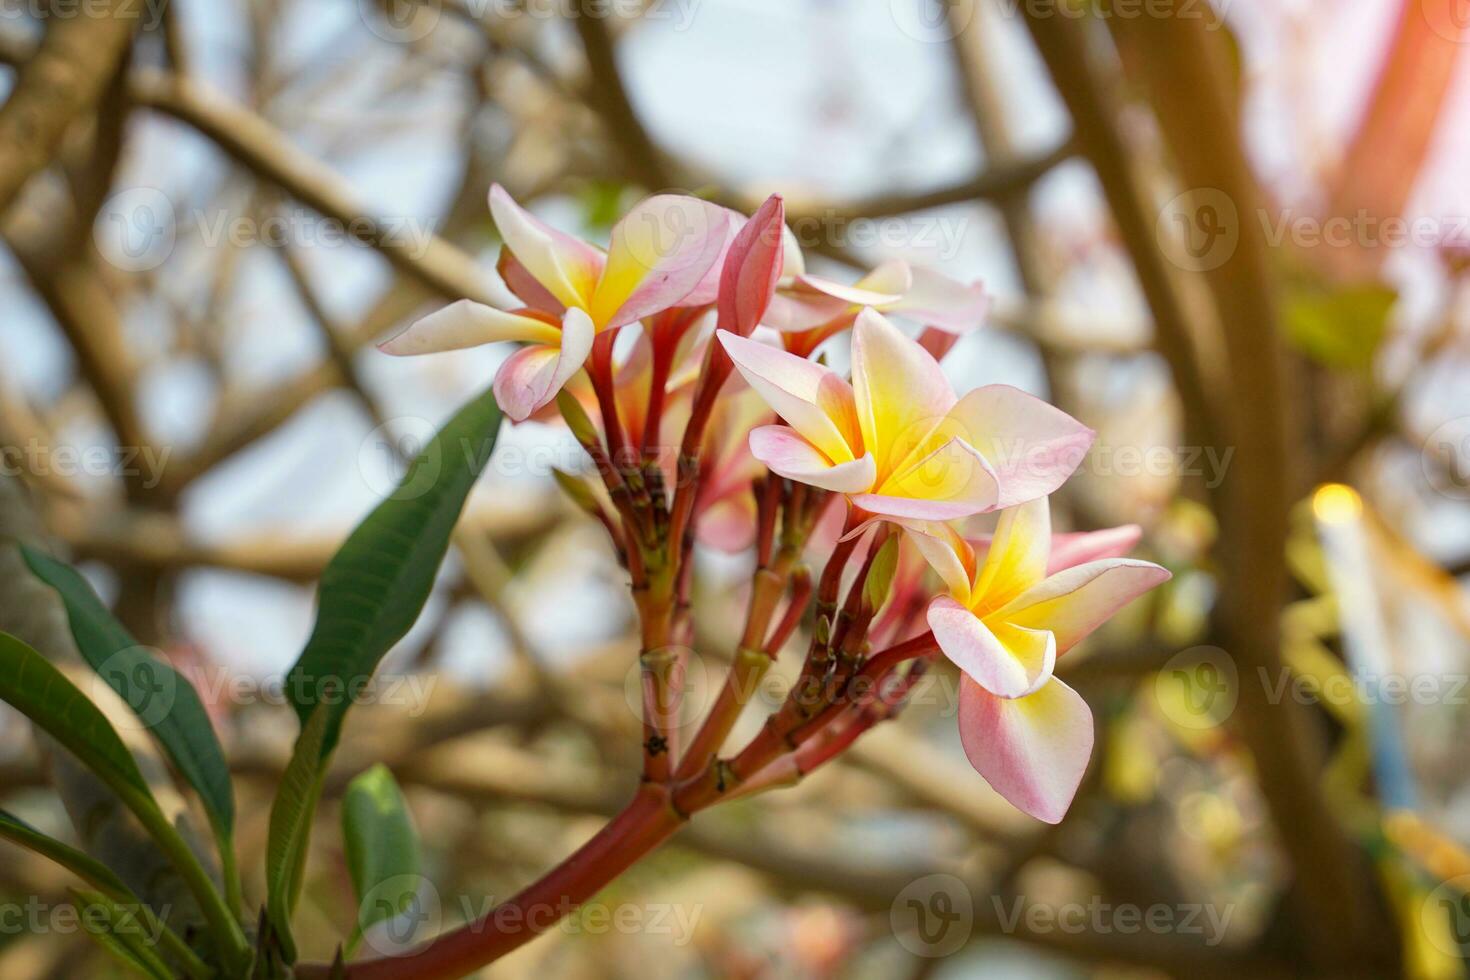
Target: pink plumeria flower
x=665 y=252
x=897 y=441
x=1006 y=620
x=809 y=309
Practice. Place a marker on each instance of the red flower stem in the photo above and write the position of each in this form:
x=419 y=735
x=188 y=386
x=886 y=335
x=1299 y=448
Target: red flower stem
x=726 y=777
x=751 y=663
x=641 y=827
x=717 y=368
x=652 y=423
x=801 y=593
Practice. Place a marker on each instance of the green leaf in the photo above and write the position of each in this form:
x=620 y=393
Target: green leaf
x=290 y=829
x=101 y=877
x=79 y=863
x=382 y=847
x=376 y=585
x=34 y=687
x=1341 y=328
x=159 y=695
x=121 y=932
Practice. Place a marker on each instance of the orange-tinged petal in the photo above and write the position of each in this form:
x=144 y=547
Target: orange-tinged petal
x=660 y=251
x=789 y=455
x=564 y=265
x=1008 y=661
x=1017 y=557
x=813 y=401
x=468 y=324
x=1077 y=600
x=901 y=393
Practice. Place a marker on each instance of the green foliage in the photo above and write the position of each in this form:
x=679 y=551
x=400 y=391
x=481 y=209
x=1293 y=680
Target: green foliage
x=376 y=585
x=1341 y=328
x=290 y=829
x=382 y=847
x=159 y=695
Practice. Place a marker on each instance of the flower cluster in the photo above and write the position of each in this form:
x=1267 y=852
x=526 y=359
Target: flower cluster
x=700 y=329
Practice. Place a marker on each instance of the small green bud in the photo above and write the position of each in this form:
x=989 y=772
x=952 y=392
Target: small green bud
x=576 y=418
x=880 y=574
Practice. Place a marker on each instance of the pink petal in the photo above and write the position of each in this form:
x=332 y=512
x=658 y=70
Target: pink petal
x=467 y=324
x=813 y=400
x=708 y=289
x=796 y=310
x=947 y=553
x=751 y=268
x=850 y=295
x=527 y=289
x=939 y=301
x=660 y=251
x=1033 y=750
x=1077 y=547
x=728 y=524
x=1077 y=600
x=1008 y=661
x=531 y=377
x=564 y=265
x=900 y=391
x=1032 y=445
x=789 y=455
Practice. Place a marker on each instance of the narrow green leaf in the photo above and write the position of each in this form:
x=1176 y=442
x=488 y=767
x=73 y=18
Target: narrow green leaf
x=159 y=695
x=101 y=877
x=382 y=847
x=35 y=688
x=121 y=932
x=376 y=585
x=79 y=863
x=290 y=828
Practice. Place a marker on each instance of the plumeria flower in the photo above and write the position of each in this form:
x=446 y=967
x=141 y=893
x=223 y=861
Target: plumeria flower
x=810 y=309
x=1006 y=620
x=665 y=252
x=897 y=441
